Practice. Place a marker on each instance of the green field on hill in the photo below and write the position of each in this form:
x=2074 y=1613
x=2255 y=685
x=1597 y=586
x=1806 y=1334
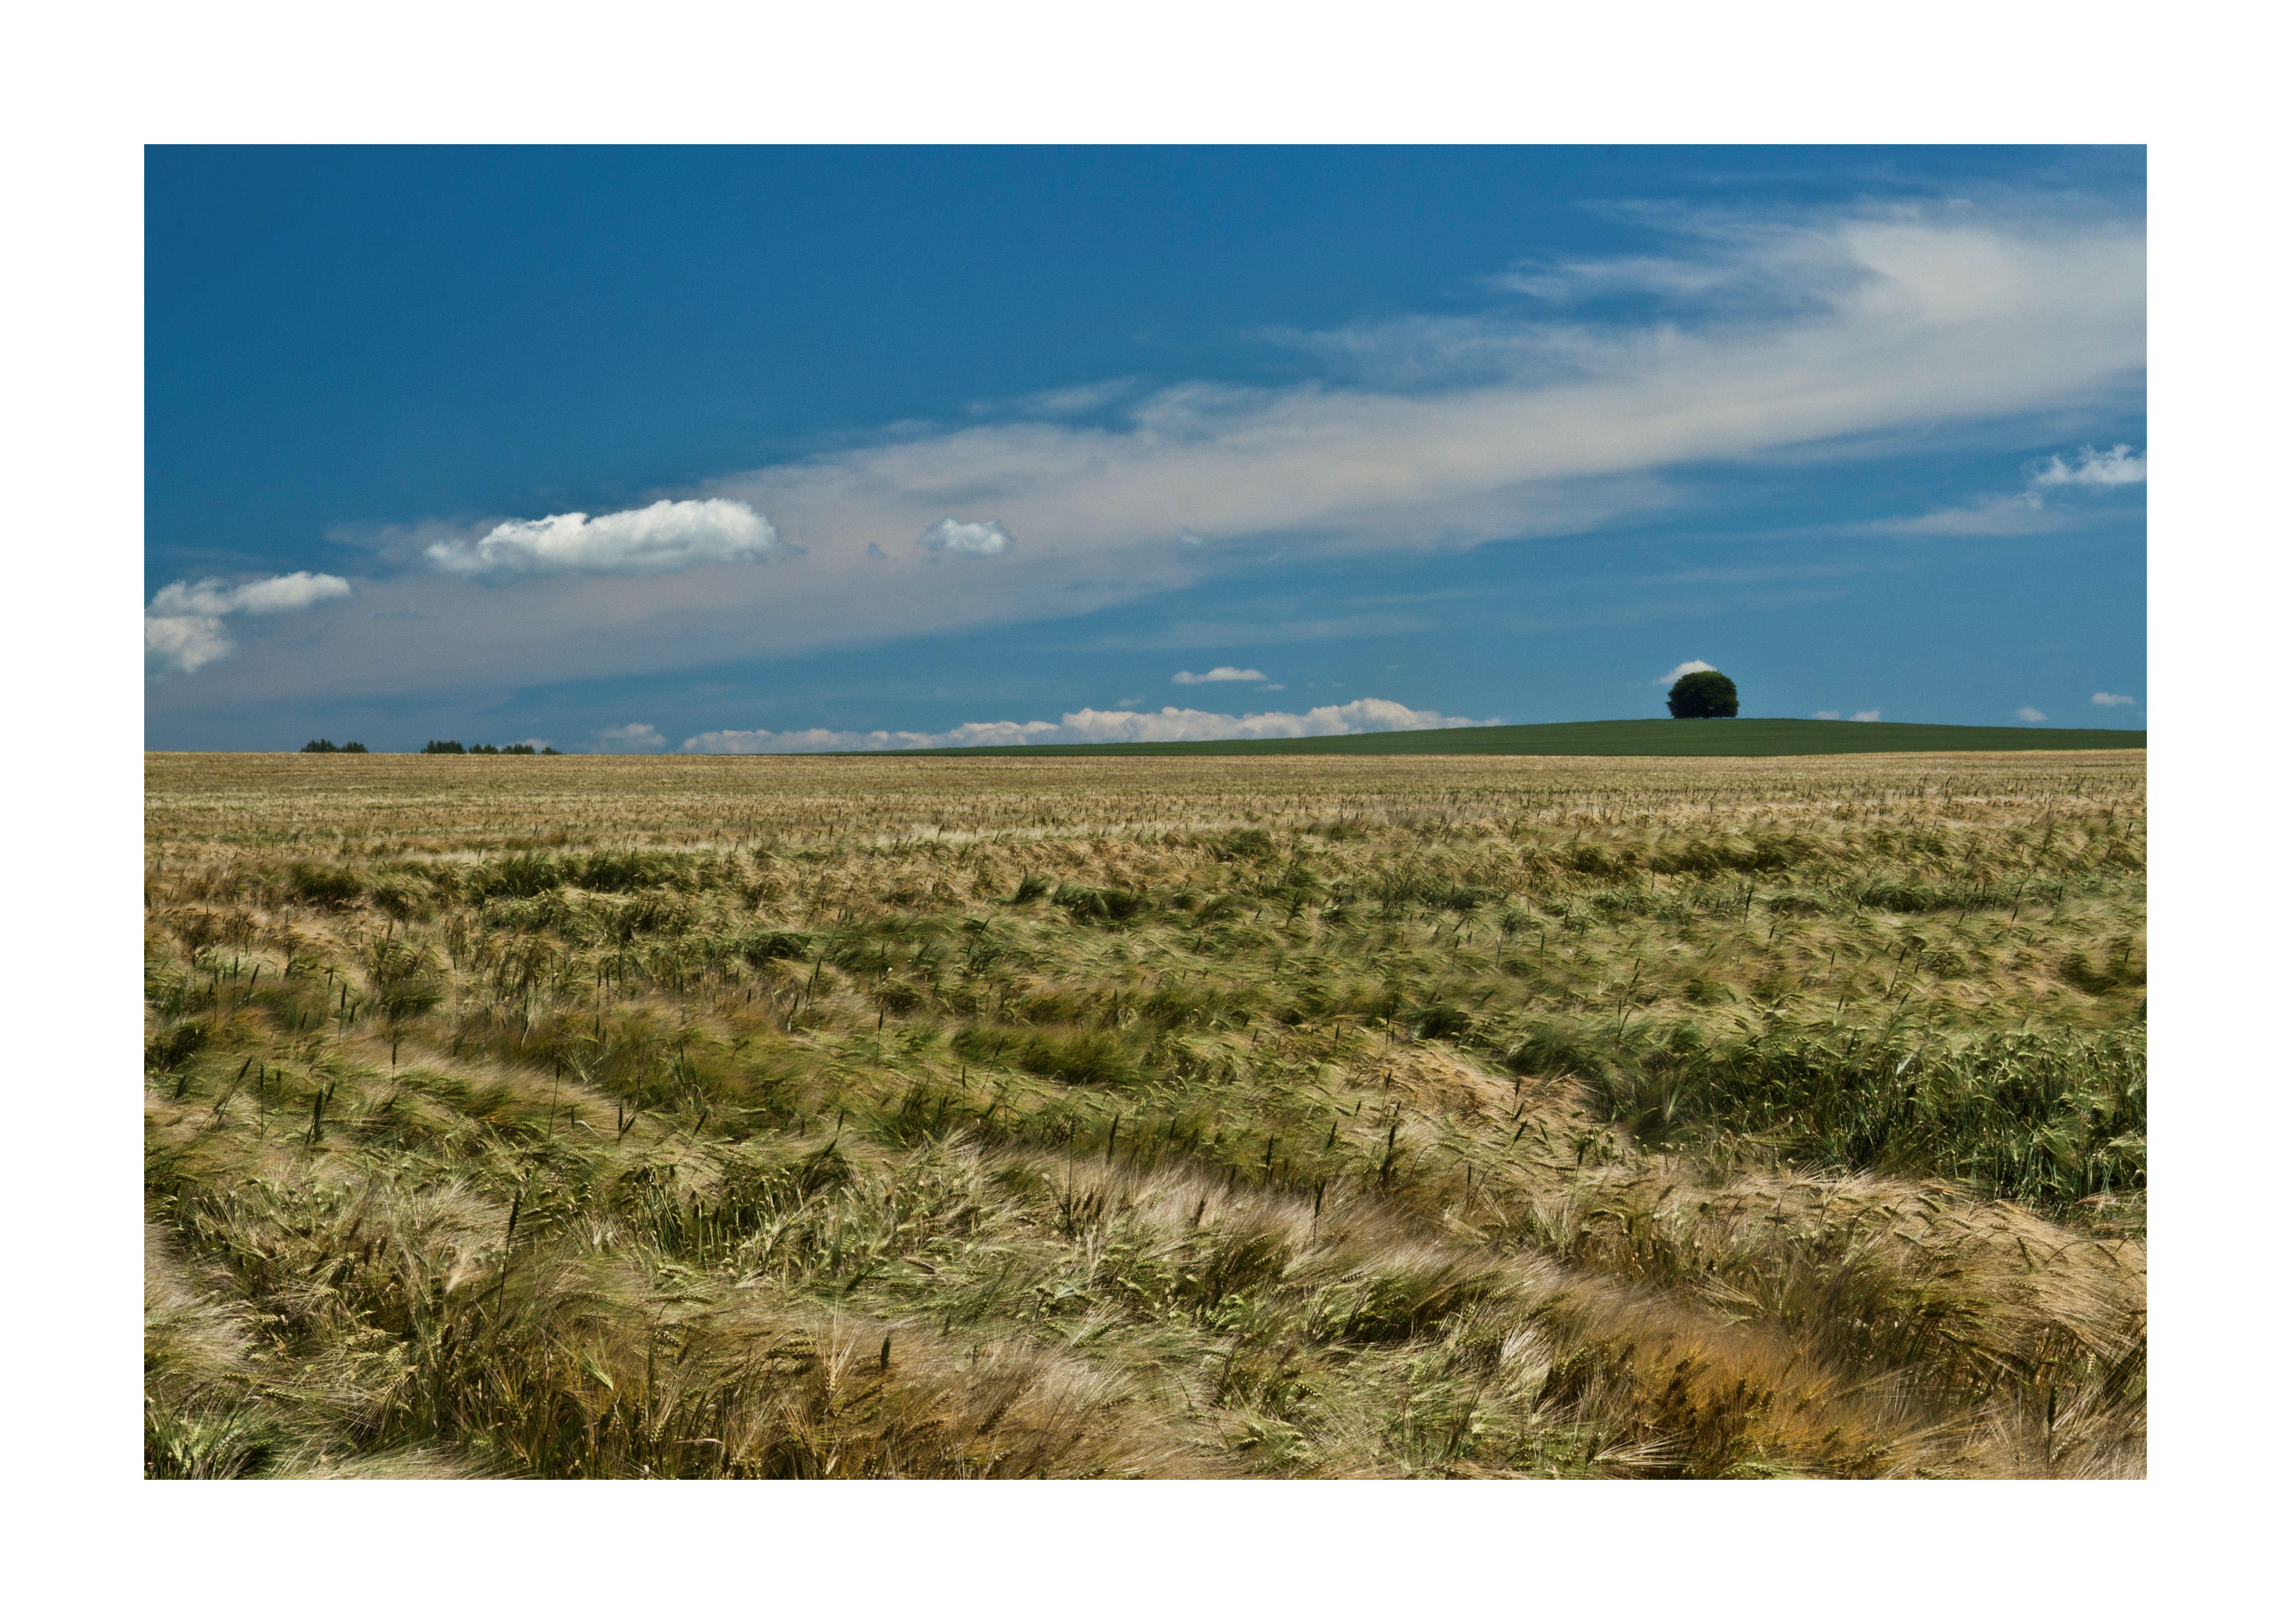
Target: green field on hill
x=1735 y=736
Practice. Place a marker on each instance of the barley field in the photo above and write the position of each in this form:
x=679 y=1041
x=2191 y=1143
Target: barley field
x=1200 y=1117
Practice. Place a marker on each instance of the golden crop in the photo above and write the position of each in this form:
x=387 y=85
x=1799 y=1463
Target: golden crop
x=1293 y=1115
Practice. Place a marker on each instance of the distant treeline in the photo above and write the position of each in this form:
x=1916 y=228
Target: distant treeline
x=435 y=747
x=453 y=747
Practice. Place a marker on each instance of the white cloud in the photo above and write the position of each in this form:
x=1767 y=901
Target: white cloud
x=1075 y=402
x=1825 y=716
x=2029 y=713
x=1168 y=724
x=629 y=738
x=982 y=540
x=272 y=595
x=1223 y=673
x=1892 y=322
x=653 y=540
x=1866 y=716
x=1569 y=282
x=283 y=594
x=2118 y=465
x=175 y=645
x=2114 y=699
x=183 y=629
x=2023 y=512
x=1678 y=670
x=1881 y=330
x=747 y=742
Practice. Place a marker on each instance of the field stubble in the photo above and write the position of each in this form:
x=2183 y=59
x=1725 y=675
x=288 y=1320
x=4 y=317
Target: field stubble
x=1285 y=1116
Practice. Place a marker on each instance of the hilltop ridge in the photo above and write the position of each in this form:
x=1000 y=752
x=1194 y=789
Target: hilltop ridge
x=1732 y=736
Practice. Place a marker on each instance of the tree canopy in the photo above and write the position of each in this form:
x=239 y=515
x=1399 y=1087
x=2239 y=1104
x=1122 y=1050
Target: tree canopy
x=1703 y=693
x=455 y=747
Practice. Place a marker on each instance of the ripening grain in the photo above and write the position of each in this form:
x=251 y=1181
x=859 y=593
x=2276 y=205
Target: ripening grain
x=1280 y=1117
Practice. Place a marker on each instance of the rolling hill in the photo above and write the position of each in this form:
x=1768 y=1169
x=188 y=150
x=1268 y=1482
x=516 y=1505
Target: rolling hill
x=1736 y=736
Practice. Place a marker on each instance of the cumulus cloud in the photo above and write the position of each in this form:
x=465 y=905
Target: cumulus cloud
x=653 y=540
x=980 y=541
x=2114 y=699
x=272 y=595
x=1170 y=724
x=755 y=741
x=1680 y=670
x=175 y=645
x=182 y=625
x=2116 y=465
x=627 y=739
x=1825 y=716
x=1866 y=716
x=1223 y=673
x=2029 y=713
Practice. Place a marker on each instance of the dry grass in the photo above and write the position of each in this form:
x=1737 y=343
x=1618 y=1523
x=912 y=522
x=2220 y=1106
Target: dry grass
x=1299 y=1116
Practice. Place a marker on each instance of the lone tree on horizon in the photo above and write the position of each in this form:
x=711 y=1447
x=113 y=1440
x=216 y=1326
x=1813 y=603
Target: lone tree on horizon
x=1703 y=693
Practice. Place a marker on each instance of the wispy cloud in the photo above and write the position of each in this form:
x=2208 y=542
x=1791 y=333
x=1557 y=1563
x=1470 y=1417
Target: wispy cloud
x=2029 y=713
x=1168 y=724
x=1225 y=633
x=2114 y=699
x=1572 y=281
x=1078 y=401
x=182 y=625
x=1222 y=673
x=1857 y=716
x=2024 y=512
x=664 y=537
x=1880 y=325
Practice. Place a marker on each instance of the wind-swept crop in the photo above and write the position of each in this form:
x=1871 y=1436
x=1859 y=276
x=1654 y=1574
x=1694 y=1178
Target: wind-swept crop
x=1282 y=1116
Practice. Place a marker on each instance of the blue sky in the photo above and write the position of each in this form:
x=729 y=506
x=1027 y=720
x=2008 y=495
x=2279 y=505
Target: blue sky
x=786 y=448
